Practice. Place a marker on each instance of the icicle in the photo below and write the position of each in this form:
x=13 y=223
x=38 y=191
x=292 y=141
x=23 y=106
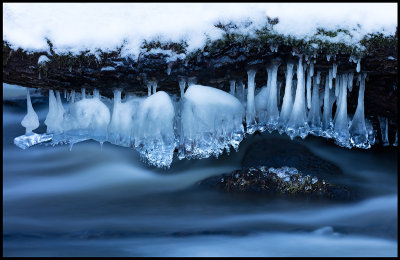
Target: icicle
x=148 y=89
x=309 y=89
x=341 y=124
x=182 y=84
x=154 y=87
x=65 y=93
x=337 y=86
x=350 y=82
x=287 y=103
x=395 y=141
x=327 y=115
x=232 y=87
x=272 y=105
x=96 y=93
x=31 y=120
x=314 y=116
x=83 y=93
x=358 y=130
x=358 y=66
x=250 y=109
x=312 y=69
x=297 y=125
x=328 y=57
x=72 y=98
x=55 y=117
x=383 y=122
x=330 y=78
x=334 y=70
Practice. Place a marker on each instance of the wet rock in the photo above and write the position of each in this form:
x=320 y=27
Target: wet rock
x=284 y=181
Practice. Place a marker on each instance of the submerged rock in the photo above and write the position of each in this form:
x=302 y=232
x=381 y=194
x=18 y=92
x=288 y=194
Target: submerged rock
x=283 y=181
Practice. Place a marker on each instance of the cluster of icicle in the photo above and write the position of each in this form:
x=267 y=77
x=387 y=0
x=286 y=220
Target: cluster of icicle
x=301 y=113
x=206 y=121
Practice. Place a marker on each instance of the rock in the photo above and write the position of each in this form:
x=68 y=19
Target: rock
x=284 y=181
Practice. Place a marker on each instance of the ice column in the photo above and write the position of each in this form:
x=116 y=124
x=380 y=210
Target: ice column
x=287 y=102
x=341 y=125
x=250 y=109
x=272 y=104
x=54 y=117
x=309 y=89
x=297 y=125
x=232 y=87
x=358 y=131
x=31 y=120
x=182 y=84
x=395 y=141
x=154 y=87
x=314 y=116
x=383 y=122
x=148 y=89
x=327 y=115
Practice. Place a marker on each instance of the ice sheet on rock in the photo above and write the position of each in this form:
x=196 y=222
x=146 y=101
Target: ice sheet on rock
x=211 y=122
x=154 y=130
x=30 y=139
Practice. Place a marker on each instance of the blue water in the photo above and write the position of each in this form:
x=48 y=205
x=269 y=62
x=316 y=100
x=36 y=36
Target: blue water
x=95 y=201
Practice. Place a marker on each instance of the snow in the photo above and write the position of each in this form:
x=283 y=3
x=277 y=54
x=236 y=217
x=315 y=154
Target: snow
x=78 y=26
x=43 y=59
x=108 y=68
x=211 y=122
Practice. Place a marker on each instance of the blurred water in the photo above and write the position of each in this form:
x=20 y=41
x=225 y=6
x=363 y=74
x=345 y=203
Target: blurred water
x=95 y=201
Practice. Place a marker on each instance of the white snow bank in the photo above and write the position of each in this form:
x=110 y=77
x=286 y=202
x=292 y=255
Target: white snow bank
x=78 y=26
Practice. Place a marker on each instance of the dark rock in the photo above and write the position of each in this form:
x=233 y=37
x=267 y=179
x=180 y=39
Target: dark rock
x=284 y=181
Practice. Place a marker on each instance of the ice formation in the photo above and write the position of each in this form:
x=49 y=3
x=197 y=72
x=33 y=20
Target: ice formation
x=297 y=124
x=358 y=130
x=211 y=122
x=206 y=121
x=31 y=120
x=251 y=124
x=383 y=122
x=267 y=101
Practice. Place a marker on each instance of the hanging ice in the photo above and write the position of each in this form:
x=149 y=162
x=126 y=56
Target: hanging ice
x=250 y=109
x=211 y=122
x=314 y=116
x=267 y=101
x=358 y=66
x=341 y=124
x=31 y=120
x=327 y=124
x=395 y=141
x=287 y=102
x=182 y=84
x=120 y=130
x=232 y=87
x=309 y=89
x=154 y=130
x=350 y=81
x=148 y=89
x=383 y=122
x=55 y=115
x=297 y=125
x=358 y=130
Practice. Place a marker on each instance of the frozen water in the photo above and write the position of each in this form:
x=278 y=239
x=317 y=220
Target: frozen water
x=297 y=125
x=30 y=139
x=341 y=124
x=358 y=130
x=314 y=116
x=287 y=103
x=31 y=120
x=250 y=108
x=211 y=122
x=383 y=122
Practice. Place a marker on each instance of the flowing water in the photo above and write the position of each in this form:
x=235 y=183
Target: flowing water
x=103 y=201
